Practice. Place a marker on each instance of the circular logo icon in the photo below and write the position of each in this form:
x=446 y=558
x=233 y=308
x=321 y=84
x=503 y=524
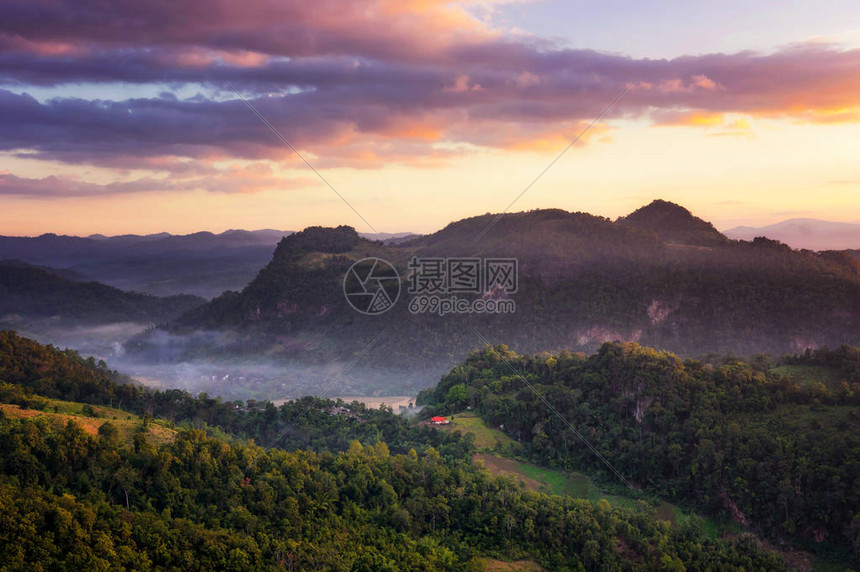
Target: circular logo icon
x=371 y=286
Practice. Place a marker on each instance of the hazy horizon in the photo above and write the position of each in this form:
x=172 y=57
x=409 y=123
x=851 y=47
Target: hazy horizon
x=216 y=231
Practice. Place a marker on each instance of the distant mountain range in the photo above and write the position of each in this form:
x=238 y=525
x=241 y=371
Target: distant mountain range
x=201 y=264
x=659 y=276
x=207 y=264
x=806 y=233
x=29 y=292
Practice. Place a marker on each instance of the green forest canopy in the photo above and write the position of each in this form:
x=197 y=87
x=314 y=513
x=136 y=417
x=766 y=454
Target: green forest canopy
x=74 y=500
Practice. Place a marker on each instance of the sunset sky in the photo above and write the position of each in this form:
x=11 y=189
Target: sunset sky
x=419 y=112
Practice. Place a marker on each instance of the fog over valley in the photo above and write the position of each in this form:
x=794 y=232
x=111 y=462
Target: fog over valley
x=289 y=331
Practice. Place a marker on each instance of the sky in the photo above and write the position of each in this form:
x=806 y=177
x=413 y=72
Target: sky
x=403 y=115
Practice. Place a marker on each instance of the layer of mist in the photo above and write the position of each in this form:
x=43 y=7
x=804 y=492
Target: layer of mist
x=230 y=379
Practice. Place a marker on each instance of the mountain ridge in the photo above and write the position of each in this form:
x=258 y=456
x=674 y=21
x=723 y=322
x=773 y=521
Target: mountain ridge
x=162 y=264
x=33 y=292
x=584 y=280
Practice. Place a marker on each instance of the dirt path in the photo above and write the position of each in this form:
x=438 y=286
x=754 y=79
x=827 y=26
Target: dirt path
x=493 y=565
x=508 y=467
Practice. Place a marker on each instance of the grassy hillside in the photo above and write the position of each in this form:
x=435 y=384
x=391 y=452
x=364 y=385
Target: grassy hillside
x=90 y=418
x=739 y=441
x=485 y=438
x=502 y=456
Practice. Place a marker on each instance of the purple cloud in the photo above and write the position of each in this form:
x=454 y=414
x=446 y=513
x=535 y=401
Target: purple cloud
x=357 y=84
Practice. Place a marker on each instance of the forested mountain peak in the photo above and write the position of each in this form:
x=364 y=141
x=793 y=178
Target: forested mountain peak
x=537 y=235
x=331 y=240
x=674 y=224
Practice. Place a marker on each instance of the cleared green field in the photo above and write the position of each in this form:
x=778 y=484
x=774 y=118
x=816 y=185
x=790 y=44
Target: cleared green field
x=551 y=481
x=580 y=485
x=496 y=451
x=574 y=484
x=494 y=565
x=485 y=437
x=810 y=374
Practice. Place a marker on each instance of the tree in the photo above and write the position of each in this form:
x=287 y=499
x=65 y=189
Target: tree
x=457 y=396
x=109 y=434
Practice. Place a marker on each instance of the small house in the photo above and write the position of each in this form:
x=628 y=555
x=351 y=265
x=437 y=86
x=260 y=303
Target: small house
x=439 y=421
